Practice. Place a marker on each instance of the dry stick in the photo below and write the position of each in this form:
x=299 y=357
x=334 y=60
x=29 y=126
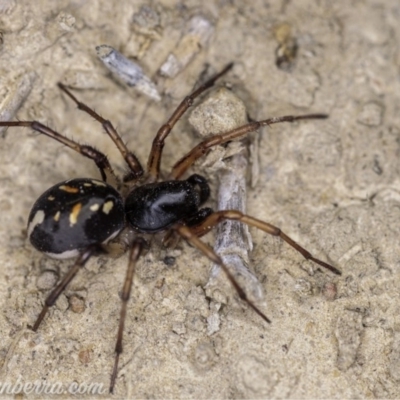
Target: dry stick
x=221 y=112
x=17 y=90
x=127 y=71
x=195 y=37
x=232 y=239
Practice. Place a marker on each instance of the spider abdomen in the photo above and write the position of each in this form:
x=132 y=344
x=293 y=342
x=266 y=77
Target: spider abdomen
x=73 y=215
x=156 y=206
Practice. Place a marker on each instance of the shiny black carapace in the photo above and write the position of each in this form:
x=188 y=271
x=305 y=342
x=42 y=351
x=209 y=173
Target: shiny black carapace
x=76 y=217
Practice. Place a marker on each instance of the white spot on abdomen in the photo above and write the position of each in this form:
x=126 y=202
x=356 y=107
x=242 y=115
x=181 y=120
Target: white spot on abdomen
x=36 y=220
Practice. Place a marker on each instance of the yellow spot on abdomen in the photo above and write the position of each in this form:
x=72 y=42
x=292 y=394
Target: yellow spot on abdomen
x=73 y=217
x=107 y=207
x=69 y=189
x=57 y=216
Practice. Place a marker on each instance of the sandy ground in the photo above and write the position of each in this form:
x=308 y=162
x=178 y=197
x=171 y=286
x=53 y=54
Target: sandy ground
x=332 y=185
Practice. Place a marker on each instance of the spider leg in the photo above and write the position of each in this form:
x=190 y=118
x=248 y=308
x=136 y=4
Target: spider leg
x=153 y=163
x=191 y=237
x=130 y=158
x=135 y=253
x=235 y=215
x=98 y=157
x=53 y=296
x=202 y=148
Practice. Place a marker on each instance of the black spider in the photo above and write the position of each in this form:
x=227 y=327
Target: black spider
x=74 y=218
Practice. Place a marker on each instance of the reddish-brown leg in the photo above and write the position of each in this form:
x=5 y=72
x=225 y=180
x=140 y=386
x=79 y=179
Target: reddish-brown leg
x=136 y=250
x=98 y=157
x=53 y=296
x=202 y=148
x=220 y=216
x=153 y=164
x=191 y=237
x=130 y=158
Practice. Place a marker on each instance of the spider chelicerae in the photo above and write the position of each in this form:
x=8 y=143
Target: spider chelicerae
x=75 y=218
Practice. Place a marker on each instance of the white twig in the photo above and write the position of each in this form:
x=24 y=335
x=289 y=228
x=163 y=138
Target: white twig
x=196 y=36
x=16 y=90
x=128 y=71
x=219 y=113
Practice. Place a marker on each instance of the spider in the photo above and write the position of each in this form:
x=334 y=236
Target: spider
x=75 y=218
